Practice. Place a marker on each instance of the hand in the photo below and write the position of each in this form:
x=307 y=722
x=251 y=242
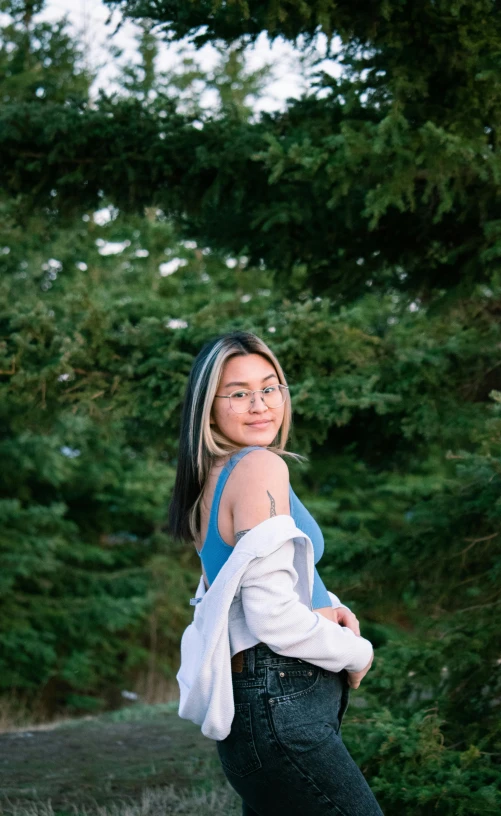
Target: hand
x=344 y=617
x=340 y=615
x=355 y=678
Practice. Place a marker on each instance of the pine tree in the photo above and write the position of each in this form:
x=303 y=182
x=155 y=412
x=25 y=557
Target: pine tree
x=364 y=238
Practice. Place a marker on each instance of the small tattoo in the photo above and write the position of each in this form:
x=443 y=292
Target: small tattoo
x=273 y=512
x=240 y=534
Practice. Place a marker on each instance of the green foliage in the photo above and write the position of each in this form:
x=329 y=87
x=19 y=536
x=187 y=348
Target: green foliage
x=358 y=231
x=413 y=770
x=401 y=24
x=39 y=61
x=93 y=362
x=388 y=175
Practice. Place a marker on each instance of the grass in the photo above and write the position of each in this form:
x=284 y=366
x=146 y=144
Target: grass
x=140 y=761
x=153 y=802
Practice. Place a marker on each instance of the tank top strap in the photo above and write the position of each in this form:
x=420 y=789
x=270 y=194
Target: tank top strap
x=222 y=479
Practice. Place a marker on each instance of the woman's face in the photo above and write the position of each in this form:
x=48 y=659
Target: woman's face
x=259 y=425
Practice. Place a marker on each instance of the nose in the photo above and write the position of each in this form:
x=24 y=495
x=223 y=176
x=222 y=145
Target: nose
x=258 y=405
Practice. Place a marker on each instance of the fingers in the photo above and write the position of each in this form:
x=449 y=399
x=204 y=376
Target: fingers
x=348 y=619
x=353 y=679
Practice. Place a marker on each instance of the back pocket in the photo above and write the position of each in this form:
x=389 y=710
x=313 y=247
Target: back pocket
x=304 y=719
x=237 y=751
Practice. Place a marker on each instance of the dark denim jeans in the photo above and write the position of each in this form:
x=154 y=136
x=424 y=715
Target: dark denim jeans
x=284 y=754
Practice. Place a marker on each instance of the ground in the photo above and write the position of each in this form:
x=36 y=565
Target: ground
x=97 y=761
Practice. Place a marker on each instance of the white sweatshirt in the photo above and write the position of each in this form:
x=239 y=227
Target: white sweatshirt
x=261 y=593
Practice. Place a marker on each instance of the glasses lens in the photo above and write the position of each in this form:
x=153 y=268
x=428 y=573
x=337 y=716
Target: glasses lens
x=274 y=396
x=240 y=401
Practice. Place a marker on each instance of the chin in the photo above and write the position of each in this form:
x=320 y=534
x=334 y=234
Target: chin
x=260 y=436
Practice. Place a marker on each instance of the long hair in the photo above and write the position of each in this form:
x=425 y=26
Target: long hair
x=199 y=441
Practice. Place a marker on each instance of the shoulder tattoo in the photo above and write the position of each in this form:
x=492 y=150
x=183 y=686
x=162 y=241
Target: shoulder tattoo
x=273 y=511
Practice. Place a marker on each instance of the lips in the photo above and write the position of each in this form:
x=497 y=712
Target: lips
x=259 y=424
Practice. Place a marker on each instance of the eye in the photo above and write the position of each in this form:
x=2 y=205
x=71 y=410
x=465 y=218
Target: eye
x=270 y=389
x=239 y=394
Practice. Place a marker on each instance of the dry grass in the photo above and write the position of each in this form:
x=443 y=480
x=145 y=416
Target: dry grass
x=152 y=688
x=153 y=802
x=16 y=714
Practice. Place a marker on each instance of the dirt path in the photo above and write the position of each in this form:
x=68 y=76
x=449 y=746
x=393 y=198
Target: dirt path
x=100 y=760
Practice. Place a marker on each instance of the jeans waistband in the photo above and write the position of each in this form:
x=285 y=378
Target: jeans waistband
x=260 y=655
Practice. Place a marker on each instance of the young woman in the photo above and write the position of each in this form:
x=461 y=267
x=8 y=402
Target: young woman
x=284 y=754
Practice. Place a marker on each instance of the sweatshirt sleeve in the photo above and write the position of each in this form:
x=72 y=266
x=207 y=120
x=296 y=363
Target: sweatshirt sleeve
x=276 y=616
x=319 y=596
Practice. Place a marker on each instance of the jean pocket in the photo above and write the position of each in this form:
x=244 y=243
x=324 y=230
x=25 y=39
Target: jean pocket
x=304 y=719
x=237 y=752
x=286 y=680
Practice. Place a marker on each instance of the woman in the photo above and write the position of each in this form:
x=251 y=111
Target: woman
x=284 y=753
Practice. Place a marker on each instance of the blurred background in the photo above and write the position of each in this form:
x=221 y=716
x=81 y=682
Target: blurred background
x=326 y=175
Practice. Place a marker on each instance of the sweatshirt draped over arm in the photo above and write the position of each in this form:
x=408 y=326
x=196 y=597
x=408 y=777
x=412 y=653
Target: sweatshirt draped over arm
x=276 y=616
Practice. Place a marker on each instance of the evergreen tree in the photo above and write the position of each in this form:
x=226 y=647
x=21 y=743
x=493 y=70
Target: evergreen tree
x=364 y=234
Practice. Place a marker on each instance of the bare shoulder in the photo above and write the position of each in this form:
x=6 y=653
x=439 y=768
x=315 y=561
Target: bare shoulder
x=259 y=463
x=260 y=489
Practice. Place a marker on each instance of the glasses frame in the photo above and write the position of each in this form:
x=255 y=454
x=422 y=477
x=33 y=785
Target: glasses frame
x=256 y=391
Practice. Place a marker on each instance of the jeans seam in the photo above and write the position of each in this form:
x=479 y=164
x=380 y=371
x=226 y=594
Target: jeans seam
x=296 y=766
x=254 y=763
x=345 y=701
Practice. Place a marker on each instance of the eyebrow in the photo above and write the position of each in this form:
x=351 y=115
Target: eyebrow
x=245 y=383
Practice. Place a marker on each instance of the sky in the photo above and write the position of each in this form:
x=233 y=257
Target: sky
x=89 y=20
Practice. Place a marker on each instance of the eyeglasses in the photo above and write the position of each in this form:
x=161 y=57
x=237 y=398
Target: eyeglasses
x=241 y=401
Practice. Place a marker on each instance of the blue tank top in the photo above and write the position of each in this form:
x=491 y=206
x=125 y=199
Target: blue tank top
x=215 y=552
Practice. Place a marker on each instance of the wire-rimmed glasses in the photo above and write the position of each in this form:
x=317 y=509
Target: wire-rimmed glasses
x=243 y=399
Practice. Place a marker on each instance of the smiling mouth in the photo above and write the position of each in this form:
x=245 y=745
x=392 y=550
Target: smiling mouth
x=264 y=422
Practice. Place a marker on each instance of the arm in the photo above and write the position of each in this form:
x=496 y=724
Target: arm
x=276 y=616
x=252 y=502
x=272 y=608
